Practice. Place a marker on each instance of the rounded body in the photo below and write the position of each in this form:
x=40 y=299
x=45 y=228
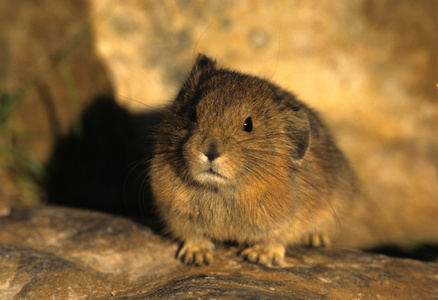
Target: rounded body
x=238 y=159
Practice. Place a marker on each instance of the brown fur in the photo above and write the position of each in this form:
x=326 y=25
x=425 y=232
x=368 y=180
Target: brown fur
x=281 y=183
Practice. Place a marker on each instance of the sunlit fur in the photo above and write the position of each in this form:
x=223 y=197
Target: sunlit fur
x=272 y=186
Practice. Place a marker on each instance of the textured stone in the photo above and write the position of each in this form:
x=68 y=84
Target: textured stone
x=59 y=253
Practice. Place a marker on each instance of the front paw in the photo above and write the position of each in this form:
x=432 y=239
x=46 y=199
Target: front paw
x=196 y=252
x=265 y=254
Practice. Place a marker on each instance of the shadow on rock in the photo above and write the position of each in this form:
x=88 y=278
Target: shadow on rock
x=418 y=251
x=102 y=163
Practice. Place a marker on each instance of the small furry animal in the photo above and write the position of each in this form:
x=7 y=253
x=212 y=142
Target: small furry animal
x=237 y=158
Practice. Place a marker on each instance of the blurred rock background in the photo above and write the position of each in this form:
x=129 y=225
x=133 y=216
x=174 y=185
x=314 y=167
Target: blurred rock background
x=80 y=82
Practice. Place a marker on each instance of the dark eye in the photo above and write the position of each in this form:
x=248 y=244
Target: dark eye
x=247 y=125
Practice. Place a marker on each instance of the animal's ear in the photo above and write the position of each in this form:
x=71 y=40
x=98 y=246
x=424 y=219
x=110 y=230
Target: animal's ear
x=201 y=69
x=203 y=61
x=299 y=133
x=202 y=65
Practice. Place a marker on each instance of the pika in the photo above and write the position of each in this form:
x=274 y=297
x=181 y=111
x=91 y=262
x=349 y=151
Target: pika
x=236 y=158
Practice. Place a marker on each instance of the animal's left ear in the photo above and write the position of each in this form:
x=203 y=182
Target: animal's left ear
x=299 y=133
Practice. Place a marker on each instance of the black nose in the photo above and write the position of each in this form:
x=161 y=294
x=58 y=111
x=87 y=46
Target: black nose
x=212 y=150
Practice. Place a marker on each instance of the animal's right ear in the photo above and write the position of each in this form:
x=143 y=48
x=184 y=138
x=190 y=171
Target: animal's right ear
x=189 y=91
x=202 y=65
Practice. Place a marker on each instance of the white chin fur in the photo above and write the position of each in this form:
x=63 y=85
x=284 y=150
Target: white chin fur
x=210 y=178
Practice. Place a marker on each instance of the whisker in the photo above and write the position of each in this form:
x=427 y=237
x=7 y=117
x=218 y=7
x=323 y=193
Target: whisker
x=278 y=54
x=197 y=42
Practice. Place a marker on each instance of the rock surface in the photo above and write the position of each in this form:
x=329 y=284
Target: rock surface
x=59 y=253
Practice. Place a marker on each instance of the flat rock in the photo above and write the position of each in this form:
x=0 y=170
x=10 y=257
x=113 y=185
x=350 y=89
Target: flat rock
x=62 y=253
